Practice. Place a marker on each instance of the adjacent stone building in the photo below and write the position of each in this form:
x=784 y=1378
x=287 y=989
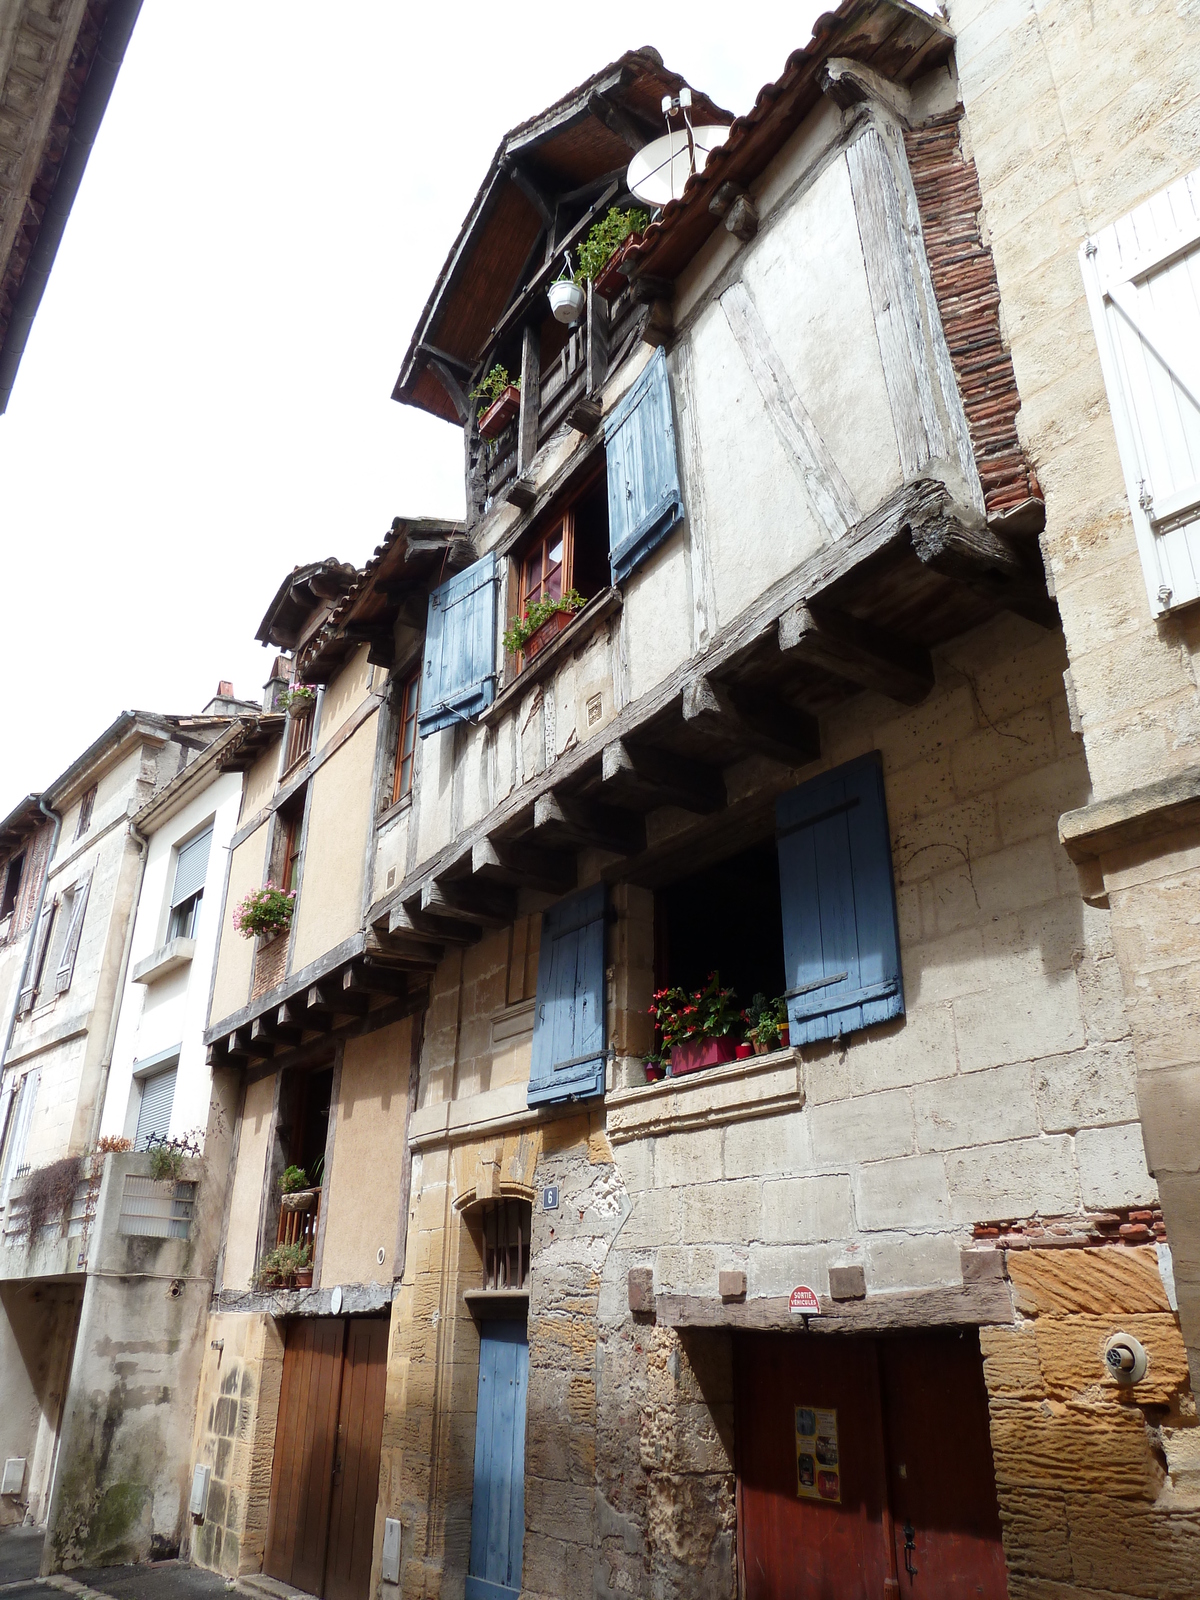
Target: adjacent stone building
x=890 y=1301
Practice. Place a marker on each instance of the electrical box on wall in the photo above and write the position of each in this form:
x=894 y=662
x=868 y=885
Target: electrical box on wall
x=14 y=1475
x=390 y=1568
x=198 y=1503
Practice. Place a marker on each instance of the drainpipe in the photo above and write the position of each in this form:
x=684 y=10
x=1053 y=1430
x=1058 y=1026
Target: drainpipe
x=143 y=845
x=32 y=939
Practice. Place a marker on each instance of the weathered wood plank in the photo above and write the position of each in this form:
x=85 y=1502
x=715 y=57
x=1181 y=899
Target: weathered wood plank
x=750 y=724
x=641 y=779
x=560 y=820
x=519 y=865
x=531 y=398
x=857 y=651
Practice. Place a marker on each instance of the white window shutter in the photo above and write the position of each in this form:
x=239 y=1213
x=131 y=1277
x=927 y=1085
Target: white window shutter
x=154 y=1112
x=1143 y=285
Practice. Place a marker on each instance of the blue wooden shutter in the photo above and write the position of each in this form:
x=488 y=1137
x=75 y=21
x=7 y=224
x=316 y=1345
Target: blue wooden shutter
x=840 y=940
x=498 y=1504
x=644 y=502
x=459 y=680
x=568 y=1018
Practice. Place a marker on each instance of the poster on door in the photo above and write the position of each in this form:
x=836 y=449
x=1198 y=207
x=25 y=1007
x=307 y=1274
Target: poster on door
x=818 y=1467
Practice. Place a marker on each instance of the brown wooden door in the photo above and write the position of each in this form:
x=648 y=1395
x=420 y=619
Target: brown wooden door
x=305 y=1436
x=912 y=1447
x=356 y=1469
x=940 y=1475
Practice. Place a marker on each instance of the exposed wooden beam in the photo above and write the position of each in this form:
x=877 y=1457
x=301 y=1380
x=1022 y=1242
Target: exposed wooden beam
x=458 y=395
x=987 y=563
x=857 y=652
x=641 y=779
x=531 y=396
x=753 y=723
x=410 y=922
x=367 y=978
x=285 y=1026
x=562 y=820
x=626 y=125
x=523 y=866
x=296 y=1013
x=331 y=997
x=403 y=950
x=539 y=202
x=242 y=1043
x=455 y=363
x=465 y=900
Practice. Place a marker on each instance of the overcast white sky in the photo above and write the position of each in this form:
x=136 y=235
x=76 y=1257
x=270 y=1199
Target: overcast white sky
x=205 y=399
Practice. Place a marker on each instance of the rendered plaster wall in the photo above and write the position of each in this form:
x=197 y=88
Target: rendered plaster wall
x=235 y=955
x=1007 y=1088
x=260 y=782
x=236 y=1413
x=342 y=697
x=329 y=908
x=362 y=1192
x=1076 y=113
x=1099 y=1485
x=241 y=1239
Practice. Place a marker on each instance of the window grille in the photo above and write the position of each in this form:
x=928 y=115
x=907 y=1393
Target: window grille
x=506 y=1229
x=154 y=1209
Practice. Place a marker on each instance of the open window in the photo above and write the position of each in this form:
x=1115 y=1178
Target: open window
x=289 y=838
x=86 y=806
x=191 y=868
x=564 y=556
x=306 y=1102
x=12 y=886
x=407 y=699
x=299 y=737
x=727 y=918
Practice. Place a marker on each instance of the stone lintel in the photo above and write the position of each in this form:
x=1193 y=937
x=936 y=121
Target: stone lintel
x=972 y=1305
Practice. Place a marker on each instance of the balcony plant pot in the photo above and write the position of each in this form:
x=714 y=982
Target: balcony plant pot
x=299 y=1199
x=744 y=1051
x=567 y=300
x=500 y=413
x=785 y=1036
x=696 y=1054
x=550 y=629
x=610 y=280
x=304 y=1278
x=653 y=1071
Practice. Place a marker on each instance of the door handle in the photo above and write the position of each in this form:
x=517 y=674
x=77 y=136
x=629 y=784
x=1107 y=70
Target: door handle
x=910 y=1545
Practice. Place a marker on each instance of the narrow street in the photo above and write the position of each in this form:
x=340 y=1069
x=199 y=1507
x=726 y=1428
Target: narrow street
x=21 y=1557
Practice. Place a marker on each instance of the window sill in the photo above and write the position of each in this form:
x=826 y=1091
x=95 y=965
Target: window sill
x=173 y=955
x=598 y=609
x=487 y=1305
x=760 y=1086
x=396 y=809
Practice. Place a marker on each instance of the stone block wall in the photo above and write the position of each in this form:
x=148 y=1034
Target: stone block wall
x=1099 y=1485
x=236 y=1413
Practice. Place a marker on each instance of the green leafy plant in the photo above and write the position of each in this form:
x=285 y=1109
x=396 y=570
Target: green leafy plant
x=489 y=389
x=300 y=697
x=166 y=1163
x=265 y=910
x=681 y=1015
x=525 y=626
x=606 y=238
x=292 y=1180
x=765 y=1020
x=283 y=1263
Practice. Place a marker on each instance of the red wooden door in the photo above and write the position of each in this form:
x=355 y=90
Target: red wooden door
x=940 y=1476
x=356 y=1468
x=302 y=1469
x=911 y=1447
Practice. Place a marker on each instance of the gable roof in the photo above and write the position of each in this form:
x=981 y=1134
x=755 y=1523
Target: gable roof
x=588 y=136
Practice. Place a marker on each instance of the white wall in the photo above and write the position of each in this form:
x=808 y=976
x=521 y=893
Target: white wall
x=171 y=1011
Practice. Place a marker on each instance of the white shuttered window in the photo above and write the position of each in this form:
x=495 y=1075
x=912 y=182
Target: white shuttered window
x=1143 y=285
x=154 y=1113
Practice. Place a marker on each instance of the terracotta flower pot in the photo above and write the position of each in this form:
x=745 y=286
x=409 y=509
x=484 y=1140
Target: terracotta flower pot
x=699 y=1053
x=610 y=280
x=501 y=412
x=550 y=629
x=304 y=1278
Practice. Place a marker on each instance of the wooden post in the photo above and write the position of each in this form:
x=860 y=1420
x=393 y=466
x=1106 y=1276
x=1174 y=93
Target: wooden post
x=531 y=396
x=597 y=341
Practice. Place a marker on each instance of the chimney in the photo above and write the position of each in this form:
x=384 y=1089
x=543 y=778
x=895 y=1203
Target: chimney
x=277 y=684
x=224 y=690
x=226 y=704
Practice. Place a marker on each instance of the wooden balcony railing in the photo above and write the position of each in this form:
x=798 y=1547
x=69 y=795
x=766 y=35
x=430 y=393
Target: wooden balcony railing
x=300 y=1227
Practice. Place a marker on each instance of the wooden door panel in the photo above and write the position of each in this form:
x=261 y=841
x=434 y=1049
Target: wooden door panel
x=305 y=1434
x=940 y=1472
x=356 y=1474
x=801 y=1549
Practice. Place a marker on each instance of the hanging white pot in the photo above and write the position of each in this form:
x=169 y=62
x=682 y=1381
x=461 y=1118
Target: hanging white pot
x=567 y=300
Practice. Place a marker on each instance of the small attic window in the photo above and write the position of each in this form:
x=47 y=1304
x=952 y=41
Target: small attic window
x=86 y=806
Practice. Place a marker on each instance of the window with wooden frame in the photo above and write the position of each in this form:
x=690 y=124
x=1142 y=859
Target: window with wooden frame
x=86 y=806
x=289 y=836
x=567 y=551
x=299 y=737
x=407 y=699
x=12 y=885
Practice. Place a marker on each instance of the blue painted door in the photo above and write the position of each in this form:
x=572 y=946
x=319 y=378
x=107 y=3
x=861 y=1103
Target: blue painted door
x=498 y=1508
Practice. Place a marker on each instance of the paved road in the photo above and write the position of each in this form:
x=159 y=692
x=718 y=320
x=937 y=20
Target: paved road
x=21 y=1556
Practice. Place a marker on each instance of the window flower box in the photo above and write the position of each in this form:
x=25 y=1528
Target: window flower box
x=500 y=413
x=696 y=1054
x=550 y=629
x=610 y=280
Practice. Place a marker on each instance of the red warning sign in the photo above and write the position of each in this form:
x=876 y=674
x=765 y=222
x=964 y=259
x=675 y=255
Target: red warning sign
x=804 y=1302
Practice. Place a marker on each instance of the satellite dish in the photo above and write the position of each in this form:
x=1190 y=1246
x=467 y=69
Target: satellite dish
x=659 y=171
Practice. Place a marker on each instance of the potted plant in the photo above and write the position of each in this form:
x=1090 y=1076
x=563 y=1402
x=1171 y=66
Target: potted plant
x=301 y=697
x=606 y=246
x=286 y=1267
x=267 y=911
x=655 y=1069
x=696 y=1028
x=500 y=401
x=534 y=629
x=766 y=1024
x=567 y=297
x=296 y=1193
